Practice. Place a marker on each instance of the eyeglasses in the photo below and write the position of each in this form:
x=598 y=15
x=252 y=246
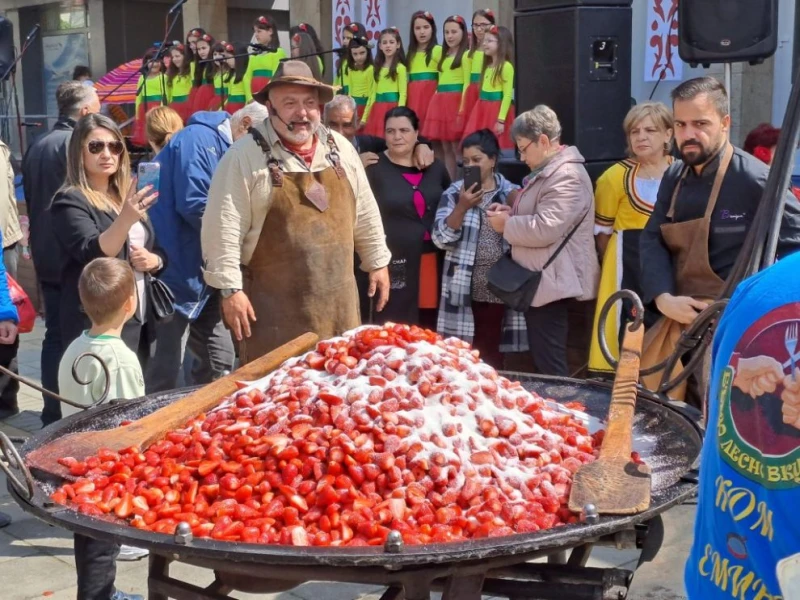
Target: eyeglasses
x=481 y=25
x=525 y=149
x=96 y=147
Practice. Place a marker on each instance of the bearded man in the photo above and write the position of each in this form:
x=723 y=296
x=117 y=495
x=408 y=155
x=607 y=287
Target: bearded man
x=706 y=204
x=288 y=206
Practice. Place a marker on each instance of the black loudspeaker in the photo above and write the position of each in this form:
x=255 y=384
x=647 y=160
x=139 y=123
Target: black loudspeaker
x=714 y=31
x=578 y=62
x=528 y=5
x=6 y=44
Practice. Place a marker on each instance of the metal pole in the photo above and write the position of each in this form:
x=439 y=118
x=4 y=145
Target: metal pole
x=727 y=69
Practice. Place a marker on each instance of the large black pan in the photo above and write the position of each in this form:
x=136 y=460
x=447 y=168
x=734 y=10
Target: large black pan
x=666 y=436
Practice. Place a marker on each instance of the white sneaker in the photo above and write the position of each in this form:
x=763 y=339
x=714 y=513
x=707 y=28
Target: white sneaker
x=128 y=553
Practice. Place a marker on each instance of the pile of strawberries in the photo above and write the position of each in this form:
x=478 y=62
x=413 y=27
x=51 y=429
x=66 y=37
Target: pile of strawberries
x=386 y=428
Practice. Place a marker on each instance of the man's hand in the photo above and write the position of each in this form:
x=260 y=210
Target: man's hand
x=758 y=375
x=8 y=332
x=368 y=158
x=423 y=156
x=238 y=312
x=791 y=399
x=379 y=282
x=682 y=309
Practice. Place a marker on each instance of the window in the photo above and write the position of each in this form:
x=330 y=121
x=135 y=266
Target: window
x=65 y=15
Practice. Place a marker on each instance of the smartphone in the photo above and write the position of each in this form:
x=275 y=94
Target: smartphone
x=149 y=174
x=472 y=175
x=788 y=572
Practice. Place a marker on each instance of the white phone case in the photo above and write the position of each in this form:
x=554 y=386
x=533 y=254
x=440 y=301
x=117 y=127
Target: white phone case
x=789 y=577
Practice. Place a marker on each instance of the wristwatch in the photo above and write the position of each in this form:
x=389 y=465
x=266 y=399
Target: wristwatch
x=229 y=292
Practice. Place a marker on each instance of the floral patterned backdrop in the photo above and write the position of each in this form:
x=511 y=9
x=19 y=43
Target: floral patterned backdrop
x=661 y=58
x=372 y=13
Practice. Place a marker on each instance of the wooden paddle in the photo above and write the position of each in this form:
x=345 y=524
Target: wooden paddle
x=152 y=427
x=614 y=483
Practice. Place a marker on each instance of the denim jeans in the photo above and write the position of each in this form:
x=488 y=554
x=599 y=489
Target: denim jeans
x=95 y=563
x=209 y=343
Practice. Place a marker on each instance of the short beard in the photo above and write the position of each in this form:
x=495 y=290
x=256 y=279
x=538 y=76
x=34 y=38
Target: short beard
x=702 y=156
x=298 y=138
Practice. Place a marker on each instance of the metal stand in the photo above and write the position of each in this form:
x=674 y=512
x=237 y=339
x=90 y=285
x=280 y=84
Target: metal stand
x=564 y=576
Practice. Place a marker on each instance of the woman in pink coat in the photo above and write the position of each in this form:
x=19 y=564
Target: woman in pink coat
x=555 y=204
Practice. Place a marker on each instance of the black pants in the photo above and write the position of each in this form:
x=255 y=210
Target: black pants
x=96 y=564
x=9 y=387
x=547 y=336
x=52 y=351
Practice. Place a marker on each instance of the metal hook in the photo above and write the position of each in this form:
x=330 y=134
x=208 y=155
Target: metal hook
x=638 y=316
x=10 y=460
x=38 y=388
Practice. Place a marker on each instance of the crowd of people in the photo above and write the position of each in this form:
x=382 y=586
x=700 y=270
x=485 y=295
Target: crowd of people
x=288 y=205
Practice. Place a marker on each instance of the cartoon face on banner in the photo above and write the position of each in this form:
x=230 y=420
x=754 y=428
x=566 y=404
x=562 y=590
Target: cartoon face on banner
x=374 y=15
x=759 y=418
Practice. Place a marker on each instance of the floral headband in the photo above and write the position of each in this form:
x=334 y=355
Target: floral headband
x=194 y=33
x=458 y=19
x=424 y=14
x=296 y=38
x=489 y=12
x=353 y=27
x=303 y=27
x=206 y=38
x=493 y=30
x=179 y=45
x=226 y=47
x=264 y=21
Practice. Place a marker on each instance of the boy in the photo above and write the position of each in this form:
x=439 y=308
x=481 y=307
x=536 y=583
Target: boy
x=108 y=295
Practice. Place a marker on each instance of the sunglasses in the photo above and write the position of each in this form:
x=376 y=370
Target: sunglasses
x=96 y=147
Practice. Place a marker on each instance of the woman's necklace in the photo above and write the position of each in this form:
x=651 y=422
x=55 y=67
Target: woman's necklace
x=652 y=171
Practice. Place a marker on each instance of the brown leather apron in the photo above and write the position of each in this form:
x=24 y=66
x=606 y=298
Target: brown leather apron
x=300 y=277
x=688 y=244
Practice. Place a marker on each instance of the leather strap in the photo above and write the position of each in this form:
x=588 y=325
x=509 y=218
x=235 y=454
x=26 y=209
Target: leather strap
x=725 y=161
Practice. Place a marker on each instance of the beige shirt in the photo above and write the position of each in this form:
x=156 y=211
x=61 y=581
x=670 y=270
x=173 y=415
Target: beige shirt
x=9 y=215
x=240 y=198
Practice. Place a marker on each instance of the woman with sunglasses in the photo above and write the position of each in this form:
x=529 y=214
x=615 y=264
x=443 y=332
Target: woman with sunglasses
x=97 y=213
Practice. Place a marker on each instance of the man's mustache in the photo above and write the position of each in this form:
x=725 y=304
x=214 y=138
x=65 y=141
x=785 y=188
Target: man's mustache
x=691 y=143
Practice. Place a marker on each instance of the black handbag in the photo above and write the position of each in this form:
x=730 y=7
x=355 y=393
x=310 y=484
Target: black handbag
x=161 y=298
x=514 y=284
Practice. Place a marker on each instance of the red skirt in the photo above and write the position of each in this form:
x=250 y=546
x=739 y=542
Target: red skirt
x=442 y=122
x=473 y=92
x=419 y=97
x=232 y=107
x=375 y=123
x=484 y=116
x=139 y=137
x=258 y=83
x=183 y=109
x=203 y=98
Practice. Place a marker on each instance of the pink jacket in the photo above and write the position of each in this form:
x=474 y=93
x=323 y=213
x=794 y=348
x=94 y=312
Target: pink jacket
x=545 y=212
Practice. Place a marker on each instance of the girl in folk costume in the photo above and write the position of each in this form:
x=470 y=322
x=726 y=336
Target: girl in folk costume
x=230 y=81
x=424 y=56
x=179 y=80
x=203 y=96
x=495 y=103
x=263 y=64
x=191 y=48
x=482 y=20
x=454 y=69
x=624 y=199
x=391 y=82
x=350 y=31
x=360 y=79
x=303 y=45
x=316 y=46
x=151 y=92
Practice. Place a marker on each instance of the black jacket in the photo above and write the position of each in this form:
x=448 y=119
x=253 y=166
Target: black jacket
x=77 y=226
x=739 y=197
x=44 y=169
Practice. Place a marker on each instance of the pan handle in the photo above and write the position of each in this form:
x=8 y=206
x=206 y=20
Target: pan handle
x=11 y=461
x=638 y=320
x=38 y=388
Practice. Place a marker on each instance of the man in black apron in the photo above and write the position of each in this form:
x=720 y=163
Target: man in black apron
x=706 y=204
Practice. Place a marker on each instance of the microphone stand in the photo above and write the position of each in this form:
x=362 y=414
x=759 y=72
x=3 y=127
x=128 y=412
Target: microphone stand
x=11 y=70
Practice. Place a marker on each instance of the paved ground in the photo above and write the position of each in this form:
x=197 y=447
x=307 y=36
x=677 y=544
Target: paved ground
x=36 y=560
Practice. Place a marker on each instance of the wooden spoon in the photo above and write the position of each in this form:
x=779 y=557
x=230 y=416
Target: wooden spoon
x=614 y=483
x=143 y=432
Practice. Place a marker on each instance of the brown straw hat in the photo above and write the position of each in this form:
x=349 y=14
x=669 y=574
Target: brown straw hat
x=296 y=72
